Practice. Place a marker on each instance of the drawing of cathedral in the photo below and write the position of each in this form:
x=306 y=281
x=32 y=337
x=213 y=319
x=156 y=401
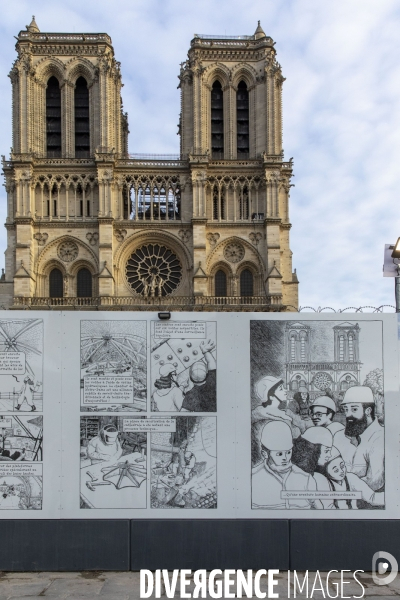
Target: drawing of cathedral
x=91 y=225
x=324 y=362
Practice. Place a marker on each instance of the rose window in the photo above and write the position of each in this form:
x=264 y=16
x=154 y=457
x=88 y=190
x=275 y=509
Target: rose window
x=68 y=251
x=234 y=252
x=322 y=381
x=153 y=270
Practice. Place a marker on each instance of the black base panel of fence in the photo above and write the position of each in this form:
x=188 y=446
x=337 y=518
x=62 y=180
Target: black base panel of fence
x=65 y=545
x=209 y=544
x=325 y=545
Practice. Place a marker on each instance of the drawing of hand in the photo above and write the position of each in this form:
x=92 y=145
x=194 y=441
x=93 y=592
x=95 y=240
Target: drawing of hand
x=207 y=346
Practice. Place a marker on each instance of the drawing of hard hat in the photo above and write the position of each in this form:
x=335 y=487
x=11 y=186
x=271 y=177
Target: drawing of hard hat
x=325 y=402
x=276 y=435
x=198 y=372
x=110 y=433
x=167 y=369
x=334 y=454
x=266 y=384
x=318 y=435
x=358 y=394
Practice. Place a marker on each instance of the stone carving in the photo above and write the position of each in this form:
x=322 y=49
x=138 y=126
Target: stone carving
x=41 y=238
x=92 y=238
x=120 y=234
x=213 y=238
x=234 y=252
x=185 y=235
x=68 y=251
x=255 y=237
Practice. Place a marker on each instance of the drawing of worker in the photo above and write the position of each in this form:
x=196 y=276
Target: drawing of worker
x=323 y=410
x=203 y=395
x=26 y=393
x=312 y=450
x=273 y=407
x=277 y=473
x=334 y=477
x=105 y=446
x=300 y=405
x=187 y=461
x=168 y=396
x=361 y=443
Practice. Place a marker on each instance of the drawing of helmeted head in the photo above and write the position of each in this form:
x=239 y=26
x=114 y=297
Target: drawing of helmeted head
x=335 y=468
x=198 y=372
x=302 y=394
x=359 y=408
x=165 y=380
x=323 y=409
x=109 y=435
x=312 y=449
x=270 y=390
x=276 y=445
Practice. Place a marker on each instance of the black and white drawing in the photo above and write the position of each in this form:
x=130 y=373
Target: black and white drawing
x=21 y=365
x=184 y=465
x=21 y=438
x=113 y=463
x=21 y=486
x=317 y=408
x=183 y=366
x=113 y=366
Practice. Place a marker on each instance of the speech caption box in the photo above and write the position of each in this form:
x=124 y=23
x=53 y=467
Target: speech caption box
x=108 y=390
x=149 y=425
x=12 y=363
x=179 y=330
x=19 y=469
x=324 y=495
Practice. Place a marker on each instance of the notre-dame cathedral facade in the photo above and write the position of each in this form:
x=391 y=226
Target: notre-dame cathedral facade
x=90 y=225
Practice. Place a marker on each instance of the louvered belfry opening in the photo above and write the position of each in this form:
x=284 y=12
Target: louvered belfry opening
x=217 y=121
x=53 y=118
x=56 y=287
x=242 y=112
x=82 y=124
x=84 y=283
x=220 y=283
x=246 y=283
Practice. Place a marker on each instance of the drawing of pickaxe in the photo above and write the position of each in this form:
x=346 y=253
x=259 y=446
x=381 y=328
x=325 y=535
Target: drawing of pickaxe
x=92 y=485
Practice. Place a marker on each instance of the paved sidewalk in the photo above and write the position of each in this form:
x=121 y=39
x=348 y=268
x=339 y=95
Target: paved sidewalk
x=125 y=586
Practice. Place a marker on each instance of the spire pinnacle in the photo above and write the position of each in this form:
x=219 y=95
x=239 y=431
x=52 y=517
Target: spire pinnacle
x=33 y=28
x=259 y=32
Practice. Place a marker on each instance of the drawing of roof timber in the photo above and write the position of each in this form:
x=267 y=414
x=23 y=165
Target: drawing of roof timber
x=22 y=336
x=112 y=344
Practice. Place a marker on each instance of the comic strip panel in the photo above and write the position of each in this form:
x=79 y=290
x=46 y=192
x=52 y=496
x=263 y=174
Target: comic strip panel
x=113 y=366
x=21 y=486
x=113 y=462
x=21 y=438
x=183 y=366
x=317 y=412
x=184 y=464
x=21 y=365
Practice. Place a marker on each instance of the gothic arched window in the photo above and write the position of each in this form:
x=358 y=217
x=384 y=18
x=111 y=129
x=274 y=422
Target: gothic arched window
x=82 y=125
x=246 y=283
x=218 y=203
x=341 y=348
x=84 y=283
x=56 y=287
x=242 y=121
x=220 y=283
x=351 y=348
x=217 y=121
x=53 y=118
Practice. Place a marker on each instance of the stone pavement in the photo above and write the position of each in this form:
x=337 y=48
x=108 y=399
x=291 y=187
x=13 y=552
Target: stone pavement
x=107 y=585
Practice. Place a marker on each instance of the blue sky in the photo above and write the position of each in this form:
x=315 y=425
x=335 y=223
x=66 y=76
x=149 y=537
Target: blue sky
x=341 y=101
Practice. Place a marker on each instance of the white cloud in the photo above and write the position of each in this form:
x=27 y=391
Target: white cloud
x=341 y=113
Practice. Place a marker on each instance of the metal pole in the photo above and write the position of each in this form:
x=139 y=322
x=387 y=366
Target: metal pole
x=397 y=292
